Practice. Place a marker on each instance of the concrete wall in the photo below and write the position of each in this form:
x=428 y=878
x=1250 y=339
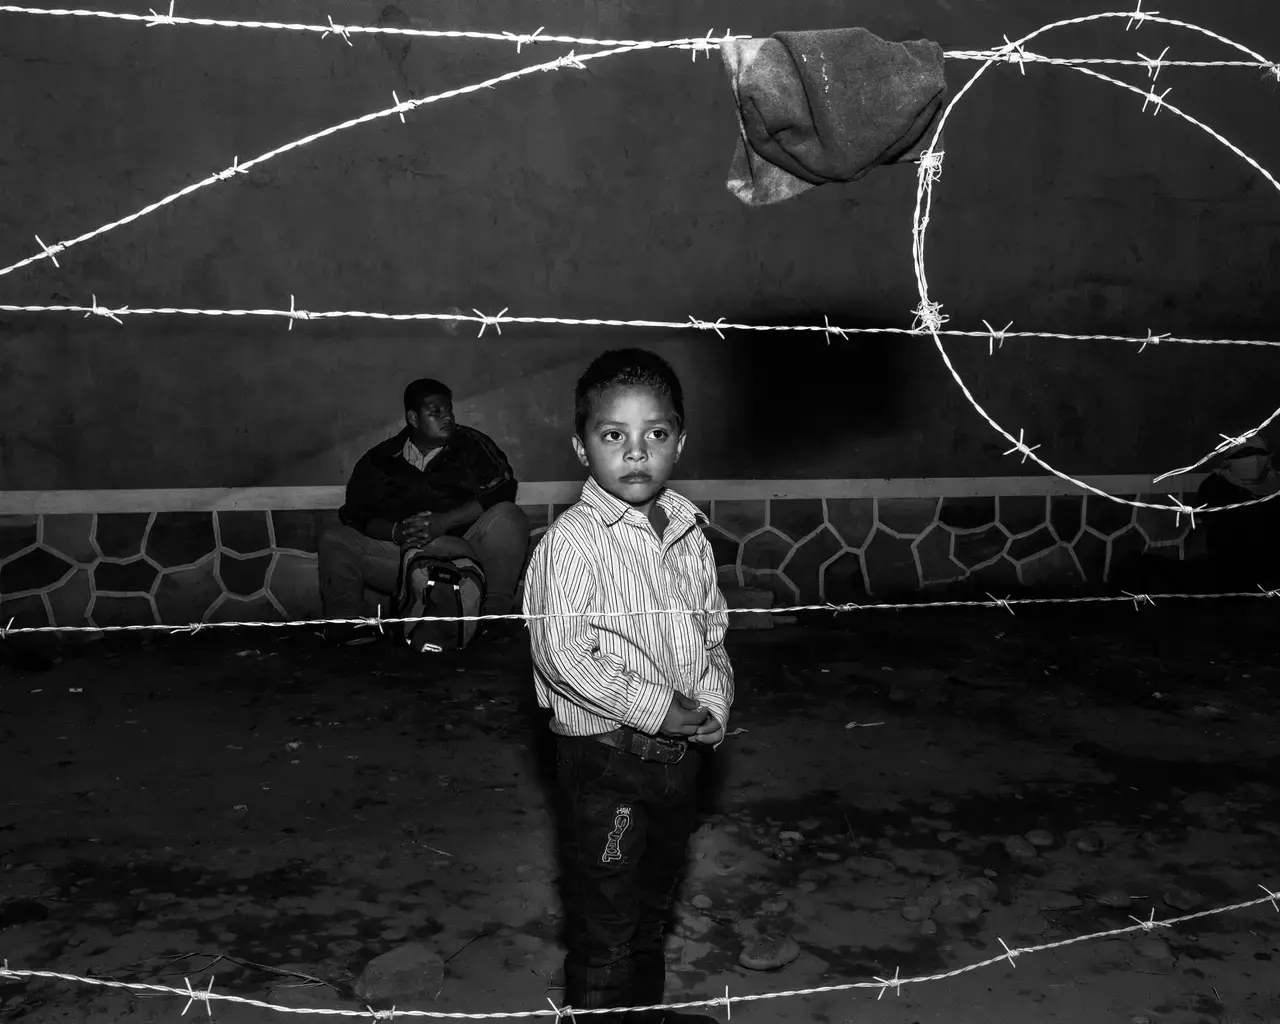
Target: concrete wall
x=601 y=193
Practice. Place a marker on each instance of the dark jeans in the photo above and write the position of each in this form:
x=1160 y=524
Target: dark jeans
x=351 y=563
x=624 y=834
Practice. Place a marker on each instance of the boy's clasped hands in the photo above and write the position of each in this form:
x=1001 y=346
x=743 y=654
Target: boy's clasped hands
x=687 y=719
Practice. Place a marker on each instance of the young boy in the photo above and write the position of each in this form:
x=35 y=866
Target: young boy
x=636 y=699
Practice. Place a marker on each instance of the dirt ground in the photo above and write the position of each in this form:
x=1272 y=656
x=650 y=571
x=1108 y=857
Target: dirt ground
x=261 y=806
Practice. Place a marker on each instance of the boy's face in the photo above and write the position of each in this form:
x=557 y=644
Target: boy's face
x=631 y=444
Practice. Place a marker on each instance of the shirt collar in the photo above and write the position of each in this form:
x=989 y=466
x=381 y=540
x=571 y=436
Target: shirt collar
x=611 y=510
x=416 y=458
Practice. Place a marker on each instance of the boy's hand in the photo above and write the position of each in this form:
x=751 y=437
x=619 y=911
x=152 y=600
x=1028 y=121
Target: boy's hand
x=683 y=718
x=709 y=732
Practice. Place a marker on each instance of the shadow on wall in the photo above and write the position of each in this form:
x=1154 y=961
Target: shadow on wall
x=749 y=397
x=787 y=399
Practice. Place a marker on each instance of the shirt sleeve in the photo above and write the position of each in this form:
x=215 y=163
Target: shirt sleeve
x=366 y=496
x=497 y=480
x=715 y=689
x=561 y=582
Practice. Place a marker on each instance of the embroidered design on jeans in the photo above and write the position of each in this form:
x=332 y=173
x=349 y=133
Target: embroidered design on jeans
x=613 y=847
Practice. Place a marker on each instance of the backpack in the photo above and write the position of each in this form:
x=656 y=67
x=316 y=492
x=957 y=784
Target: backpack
x=437 y=584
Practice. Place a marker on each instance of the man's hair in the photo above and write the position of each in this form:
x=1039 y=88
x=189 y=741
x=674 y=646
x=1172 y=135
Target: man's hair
x=625 y=368
x=421 y=389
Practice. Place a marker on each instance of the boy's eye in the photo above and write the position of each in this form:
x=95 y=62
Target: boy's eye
x=613 y=435
x=660 y=434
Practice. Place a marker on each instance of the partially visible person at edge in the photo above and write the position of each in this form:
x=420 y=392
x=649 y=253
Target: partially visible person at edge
x=1243 y=543
x=435 y=479
x=636 y=700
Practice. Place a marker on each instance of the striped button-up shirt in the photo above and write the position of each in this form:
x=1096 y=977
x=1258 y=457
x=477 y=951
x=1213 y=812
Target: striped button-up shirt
x=597 y=672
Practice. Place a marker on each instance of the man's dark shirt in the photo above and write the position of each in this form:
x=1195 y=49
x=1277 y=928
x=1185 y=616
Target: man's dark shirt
x=1243 y=543
x=470 y=467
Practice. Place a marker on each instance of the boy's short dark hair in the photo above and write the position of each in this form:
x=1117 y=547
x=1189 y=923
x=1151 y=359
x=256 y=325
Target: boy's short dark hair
x=625 y=368
x=421 y=389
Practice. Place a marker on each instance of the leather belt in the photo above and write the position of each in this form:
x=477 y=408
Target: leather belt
x=643 y=746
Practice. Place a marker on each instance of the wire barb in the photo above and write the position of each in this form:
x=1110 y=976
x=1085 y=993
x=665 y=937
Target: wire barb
x=728 y=1004
x=569 y=60
x=1152 y=339
x=1154 y=64
x=161 y=19
x=1021 y=446
x=198 y=996
x=894 y=983
x=340 y=30
x=996 y=339
x=96 y=310
x=521 y=40
x=1001 y=602
x=295 y=313
x=1013 y=53
x=1157 y=100
x=704 y=325
x=399 y=107
x=928 y=318
x=1272 y=898
x=931 y=165
x=227 y=173
x=1150 y=924
x=51 y=250
x=1268 y=593
x=705 y=45
x=561 y=1011
x=1139 y=16
x=1228 y=442
x=1009 y=954
x=1180 y=508
x=828 y=330
x=4 y=635
x=486 y=321
x=1139 y=600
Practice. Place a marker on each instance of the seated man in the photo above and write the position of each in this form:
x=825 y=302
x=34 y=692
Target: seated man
x=1244 y=543
x=434 y=479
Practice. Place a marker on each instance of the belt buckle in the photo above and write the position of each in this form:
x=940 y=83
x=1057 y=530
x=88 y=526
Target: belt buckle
x=659 y=743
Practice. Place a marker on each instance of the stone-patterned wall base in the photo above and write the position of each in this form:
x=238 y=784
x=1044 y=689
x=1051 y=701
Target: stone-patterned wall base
x=183 y=567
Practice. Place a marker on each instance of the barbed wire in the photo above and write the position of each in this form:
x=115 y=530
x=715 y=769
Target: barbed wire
x=929 y=316
x=380 y=622
x=895 y=984
x=929 y=321
x=993 y=337
x=1009 y=53
x=345 y=32
x=154 y=19
x=399 y=108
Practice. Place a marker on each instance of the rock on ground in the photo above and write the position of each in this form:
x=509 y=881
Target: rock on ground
x=1019 y=849
x=769 y=953
x=408 y=972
